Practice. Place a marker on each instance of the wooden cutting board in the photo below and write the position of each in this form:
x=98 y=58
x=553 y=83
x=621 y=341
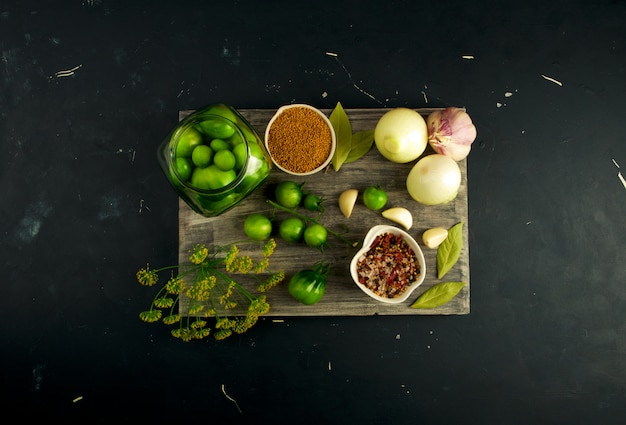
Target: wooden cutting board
x=342 y=297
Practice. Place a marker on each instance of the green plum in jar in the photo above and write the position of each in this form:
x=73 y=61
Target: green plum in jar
x=214 y=159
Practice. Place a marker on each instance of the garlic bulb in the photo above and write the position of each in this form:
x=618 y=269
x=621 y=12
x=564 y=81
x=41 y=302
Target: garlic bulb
x=451 y=132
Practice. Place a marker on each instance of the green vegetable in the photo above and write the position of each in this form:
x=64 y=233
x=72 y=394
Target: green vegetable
x=438 y=294
x=374 y=197
x=257 y=227
x=308 y=285
x=313 y=202
x=224 y=160
x=450 y=249
x=201 y=156
x=183 y=166
x=308 y=219
x=291 y=229
x=187 y=142
x=216 y=129
x=350 y=147
x=288 y=193
x=315 y=236
x=211 y=177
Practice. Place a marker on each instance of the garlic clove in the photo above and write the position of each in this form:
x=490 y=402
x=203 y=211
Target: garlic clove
x=451 y=132
x=347 y=199
x=399 y=215
x=434 y=237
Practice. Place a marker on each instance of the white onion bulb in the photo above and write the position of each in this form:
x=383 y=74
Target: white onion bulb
x=401 y=135
x=434 y=179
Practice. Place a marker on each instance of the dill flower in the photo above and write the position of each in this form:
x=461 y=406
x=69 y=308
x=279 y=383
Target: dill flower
x=273 y=280
x=175 y=285
x=147 y=277
x=151 y=316
x=216 y=283
x=199 y=254
x=269 y=247
x=171 y=319
x=163 y=302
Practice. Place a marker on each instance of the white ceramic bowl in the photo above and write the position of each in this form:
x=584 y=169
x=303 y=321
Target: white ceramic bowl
x=367 y=241
x=295 y=140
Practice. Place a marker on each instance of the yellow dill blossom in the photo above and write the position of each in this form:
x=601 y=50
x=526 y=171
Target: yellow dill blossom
x=150 y=316
x=272 y=281
x=269 y=247
x=226 y=294
x=230 y=258
x=200 y=290
x=261 y=266
x=259 y=306
x=195 y=308
x=222 y=334
x=171 y=319
x=211 y=281
x=245 y=323
x=209 y=286
x=199 y=253
x=242 y=264
x=198 y=324
x=224 y=323
x=200 y=333
x=175 y=285
x=229 y=305
x=209 y=312
x=147 y=277
x=163 y=302
x=182 y=333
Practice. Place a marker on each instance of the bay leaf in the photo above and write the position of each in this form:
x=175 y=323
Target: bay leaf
x=362 y=142
x=450 y=249
x=438 y=294
x=343 y=134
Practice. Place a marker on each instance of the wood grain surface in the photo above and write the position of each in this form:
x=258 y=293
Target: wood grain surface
x=342 y=297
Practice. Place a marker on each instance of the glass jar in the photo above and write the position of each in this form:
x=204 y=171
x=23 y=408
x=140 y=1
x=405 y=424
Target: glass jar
x=211 y=182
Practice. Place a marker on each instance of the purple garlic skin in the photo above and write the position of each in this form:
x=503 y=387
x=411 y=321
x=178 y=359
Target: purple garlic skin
x=451 y=132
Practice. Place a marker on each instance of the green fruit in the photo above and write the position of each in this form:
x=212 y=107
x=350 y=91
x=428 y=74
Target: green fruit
x=184 y=167
x=202 y=156
x=308 y=285
x=257 y=227
x=219 y=145
x=313 y=202
x=211 y=177
x=216 y=128
x=292 y=229
x=225 y=160
x=187 y=142
x=315 y=235
x=374 y=198
x=241 y=154
x=288 y=194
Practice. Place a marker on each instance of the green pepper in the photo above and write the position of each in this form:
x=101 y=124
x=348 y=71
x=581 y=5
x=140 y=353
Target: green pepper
x=308 y=285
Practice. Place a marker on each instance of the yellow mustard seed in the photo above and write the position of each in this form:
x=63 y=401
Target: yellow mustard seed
x=299 y=140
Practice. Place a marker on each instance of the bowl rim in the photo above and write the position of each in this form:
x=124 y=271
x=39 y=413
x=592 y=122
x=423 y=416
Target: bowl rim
x=369 y=237
x=333 y=137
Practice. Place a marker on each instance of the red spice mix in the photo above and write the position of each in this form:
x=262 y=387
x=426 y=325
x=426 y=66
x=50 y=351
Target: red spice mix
x=389 y=266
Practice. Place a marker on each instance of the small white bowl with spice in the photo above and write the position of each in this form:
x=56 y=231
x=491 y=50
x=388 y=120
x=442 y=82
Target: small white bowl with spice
x=389 y=266
x=300 y=139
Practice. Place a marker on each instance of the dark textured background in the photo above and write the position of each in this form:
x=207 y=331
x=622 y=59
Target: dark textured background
x=84 y=204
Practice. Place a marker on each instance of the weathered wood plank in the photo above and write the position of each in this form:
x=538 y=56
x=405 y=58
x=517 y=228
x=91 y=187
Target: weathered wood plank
x=342 y=297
